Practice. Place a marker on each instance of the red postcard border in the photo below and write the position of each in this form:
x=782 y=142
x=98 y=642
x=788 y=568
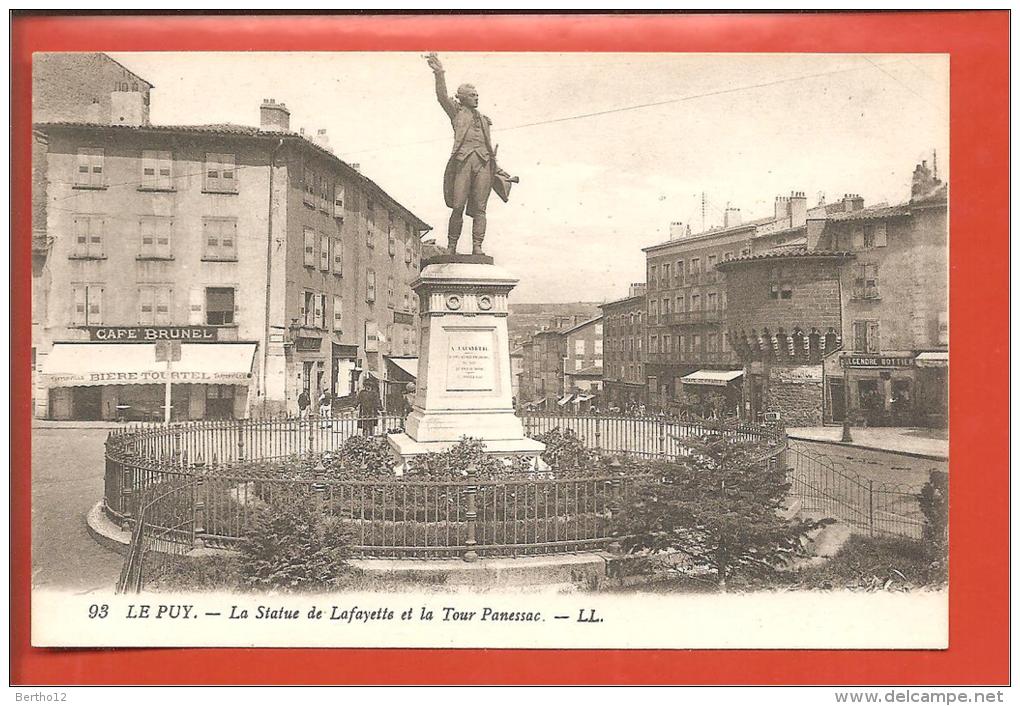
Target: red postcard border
x=978 y=43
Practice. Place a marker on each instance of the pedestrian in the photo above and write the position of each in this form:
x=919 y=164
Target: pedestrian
x=368 y=407
x=408 y=400
x=303 y=403
x=324 y=404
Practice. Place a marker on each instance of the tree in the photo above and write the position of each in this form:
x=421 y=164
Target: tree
x=720 y=505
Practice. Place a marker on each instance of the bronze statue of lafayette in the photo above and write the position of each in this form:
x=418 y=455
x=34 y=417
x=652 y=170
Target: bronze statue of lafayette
x=471 y=172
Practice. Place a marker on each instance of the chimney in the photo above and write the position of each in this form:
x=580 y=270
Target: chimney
x=798 y=209
x=782 y=211
x=636 y=289
x=676 y=230
x=731 y=217
x=923 y=182
x=356 y=166
x=852 y=202
x=322 y=139
x=274 y=117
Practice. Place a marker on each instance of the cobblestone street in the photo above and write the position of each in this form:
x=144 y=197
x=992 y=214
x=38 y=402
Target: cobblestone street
x=67 y=480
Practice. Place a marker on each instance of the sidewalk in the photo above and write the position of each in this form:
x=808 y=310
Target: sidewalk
x=77 y=424
x=909 y=441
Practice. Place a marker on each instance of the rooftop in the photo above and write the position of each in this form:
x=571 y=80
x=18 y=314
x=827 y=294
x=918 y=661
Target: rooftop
x=709 y=234
x=797 y=253
x=622 y=301
x=873 y=213
x=582 y=324
x=234 y=130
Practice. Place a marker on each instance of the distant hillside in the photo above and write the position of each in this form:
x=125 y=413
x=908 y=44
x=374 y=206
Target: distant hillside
x=525 y=319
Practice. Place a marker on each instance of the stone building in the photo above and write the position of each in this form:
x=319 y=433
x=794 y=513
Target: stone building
x=784 y=316
x=623 y=369
x=895 y=310
x=291 y=268
x=541 y=385
x=583 y=363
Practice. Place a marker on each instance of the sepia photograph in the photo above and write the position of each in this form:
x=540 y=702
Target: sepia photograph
x=286 y=342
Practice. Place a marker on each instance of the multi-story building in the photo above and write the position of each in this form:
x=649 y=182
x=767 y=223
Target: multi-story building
x=541 y=385
x=583 y=362
x=623 y=377
x=895 y=325
x=291 y=268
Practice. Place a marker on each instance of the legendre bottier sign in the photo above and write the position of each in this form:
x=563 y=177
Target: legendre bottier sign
x=127 y=334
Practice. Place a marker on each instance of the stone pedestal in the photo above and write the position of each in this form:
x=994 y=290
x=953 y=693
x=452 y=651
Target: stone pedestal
x=464 y=378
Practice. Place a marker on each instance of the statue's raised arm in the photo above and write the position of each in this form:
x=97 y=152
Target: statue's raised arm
x=441 y=91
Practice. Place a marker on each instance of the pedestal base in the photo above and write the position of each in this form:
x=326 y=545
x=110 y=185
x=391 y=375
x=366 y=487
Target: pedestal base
x=406 y=448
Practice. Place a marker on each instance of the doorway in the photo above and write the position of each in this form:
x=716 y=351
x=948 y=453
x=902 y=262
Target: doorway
x=837 y=401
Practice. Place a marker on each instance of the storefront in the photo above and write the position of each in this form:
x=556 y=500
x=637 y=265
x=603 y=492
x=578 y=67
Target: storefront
x=892 y=389
x=713 y=393
x=128 y=381
x=400 y=372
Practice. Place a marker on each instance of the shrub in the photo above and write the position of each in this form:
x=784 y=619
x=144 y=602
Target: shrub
x=289 y=545
x=934 y=502
x=360 y=457
x=720 y=506
x=565 y=451
x=455 y=462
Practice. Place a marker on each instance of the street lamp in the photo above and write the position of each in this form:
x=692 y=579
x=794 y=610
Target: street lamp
x=846 y=438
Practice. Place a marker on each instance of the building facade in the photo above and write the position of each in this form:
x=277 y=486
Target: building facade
x=542 y=361
x=623 y=369
x=258 y=242
x=583 y=363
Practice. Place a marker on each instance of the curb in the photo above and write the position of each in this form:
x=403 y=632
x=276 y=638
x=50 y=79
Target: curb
x=833 y=442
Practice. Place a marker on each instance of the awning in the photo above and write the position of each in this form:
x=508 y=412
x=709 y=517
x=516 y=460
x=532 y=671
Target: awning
x=583 y=398
x=565 y=399
x=711 y=377
x=932 y=359
x=408 y=365
x=74 y=364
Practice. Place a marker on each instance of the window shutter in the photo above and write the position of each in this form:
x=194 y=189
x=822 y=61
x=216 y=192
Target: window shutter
x=338 y=256
x=407 y=253
x=320 y=311
x=324 y=252
x=97 y=236
x=338 y=308
x=146 y=307
x=164 y=165
x=874 y=339
x=149 y=169
x=858 y=283
x=309 y=247
x=338 y=201
x=164 y=230
x=164 y=299
x=95 y=302
x=857 y=235
x=880 y=235
x=78 y=314
x=196 y=306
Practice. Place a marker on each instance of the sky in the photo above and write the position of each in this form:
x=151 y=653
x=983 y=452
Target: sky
x=609 y=148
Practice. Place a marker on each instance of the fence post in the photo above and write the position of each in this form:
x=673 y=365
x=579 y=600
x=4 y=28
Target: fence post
x=240 y=441
x=471 y=513
x=198 y=526
x=871 y=507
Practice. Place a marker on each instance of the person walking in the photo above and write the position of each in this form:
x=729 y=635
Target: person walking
x=368 y=407
x=304 y=402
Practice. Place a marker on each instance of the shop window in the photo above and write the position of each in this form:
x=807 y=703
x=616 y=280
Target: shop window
x=220 y=173
x=87 y=305
x=865 y=285
x=219 y=401
x=866 y=337
x=219 y=306
x=154 y=304
x=868 y=396
x=155 y=233
x=157 y=172
x=324 y=252
x=220 y=238
x=89 y=234
x=90 y=174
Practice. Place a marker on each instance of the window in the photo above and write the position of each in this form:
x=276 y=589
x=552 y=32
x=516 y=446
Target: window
x=219 y=306
x=598 y=329
x=857 y=237
x=725 y=342
x=665 y=274
x=697 y=343
x=407 y=302
x=695 y=302
x=653 y=272
x=389 y=291
x=220 y=238
x=391 y=237
x=711 y=301
x=309 y=244
x=712 y=342
x=865 y=285
x=579 y=364
x=745 y=252
x=87 y=305
x=324 y=192
x=695 y=265
x=877 y=234
x=866 y=337
x=88 y=237
x=339 y=205
x=711 y=262
x=309 y=188
x=156 y=170
x=579 y=347
x=154 y=306
x=90 y=173
x=320 y=311
x=407 y=252
x=653 y=309
x=779 y=286
x=308 y=308
x=679 y=304
x=324 y=252
x=338 y=256
x=598 y=346
x=370 y=286
x=679 y=271
x=653 y=344
x=220 y=173
x=155 y=238
x=370 y=229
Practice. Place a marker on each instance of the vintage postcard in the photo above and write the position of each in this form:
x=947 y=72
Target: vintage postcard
x=463 y=349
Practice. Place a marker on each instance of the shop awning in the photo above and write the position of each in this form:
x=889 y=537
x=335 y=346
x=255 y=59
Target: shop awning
x=583 y=398
x=712 y=377
x=932 y=359
x=563 y=400
x=74 y=364
x=408 y=365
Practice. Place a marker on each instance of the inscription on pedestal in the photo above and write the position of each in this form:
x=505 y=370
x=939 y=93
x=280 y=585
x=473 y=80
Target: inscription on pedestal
x=471 y=361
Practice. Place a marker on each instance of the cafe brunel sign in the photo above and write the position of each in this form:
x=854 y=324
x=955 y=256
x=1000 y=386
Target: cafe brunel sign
x=141 y=334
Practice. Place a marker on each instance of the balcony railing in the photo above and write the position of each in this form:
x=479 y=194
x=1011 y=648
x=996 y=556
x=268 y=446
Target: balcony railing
x=698 y=316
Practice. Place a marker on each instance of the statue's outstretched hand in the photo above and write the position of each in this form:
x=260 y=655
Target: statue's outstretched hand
x=434 y=63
